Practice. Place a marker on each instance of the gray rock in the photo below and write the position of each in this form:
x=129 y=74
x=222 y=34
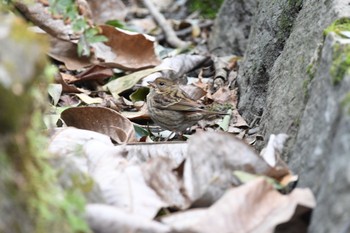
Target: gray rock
x=272 y=24
x=322 y=150
x=231 y=29
x=287 y=90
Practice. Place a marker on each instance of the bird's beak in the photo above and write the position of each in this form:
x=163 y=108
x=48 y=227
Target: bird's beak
x=152 y=84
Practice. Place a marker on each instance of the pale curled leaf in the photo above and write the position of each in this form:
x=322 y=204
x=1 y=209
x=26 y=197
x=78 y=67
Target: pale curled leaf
x=175 y=67
x=272 y=152
x=55 y=91
x=99 y=119
x=108 y=219
x=252 y=208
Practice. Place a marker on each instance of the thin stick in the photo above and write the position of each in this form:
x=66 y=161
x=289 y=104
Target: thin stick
x=170 y=34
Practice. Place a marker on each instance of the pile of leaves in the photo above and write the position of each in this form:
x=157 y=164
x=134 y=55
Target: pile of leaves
x=105 y=52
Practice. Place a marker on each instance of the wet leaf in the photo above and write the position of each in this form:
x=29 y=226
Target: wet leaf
x=103 y=120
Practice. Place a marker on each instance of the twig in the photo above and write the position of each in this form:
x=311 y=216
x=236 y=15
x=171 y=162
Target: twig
x=170 y=34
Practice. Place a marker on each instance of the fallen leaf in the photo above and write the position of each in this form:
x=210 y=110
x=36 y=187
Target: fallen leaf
x=94 y=73
x=99 y=119
x=128 y=81
x=66 y=52
x=254 y=207
x=55 y=91
x=89 y=100
x=208 y=171
x=62 y=78
x=176 y=67
x=102 y=11
x=130 y=51
x=108 y=219
x=140 y=94
x=273 y=151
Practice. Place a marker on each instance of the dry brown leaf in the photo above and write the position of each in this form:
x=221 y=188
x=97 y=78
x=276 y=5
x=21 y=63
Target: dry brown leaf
x=212 y=158
x=95 y=73
x=66 y=52
x=108 y=219
x=130 y=51
x=225 y=95
x=255 y=207
x=237 y=120
x=99 y=119
x=102 y=11
x=66 y=88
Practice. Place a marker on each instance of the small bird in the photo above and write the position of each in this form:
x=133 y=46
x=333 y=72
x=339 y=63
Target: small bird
x=172 y=109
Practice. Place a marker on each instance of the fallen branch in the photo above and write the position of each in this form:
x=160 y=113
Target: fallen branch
x=170 y=34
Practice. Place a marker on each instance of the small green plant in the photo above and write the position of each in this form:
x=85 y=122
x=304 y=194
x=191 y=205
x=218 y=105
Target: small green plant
x=89 y=33
x=207 y=8
x=337 y=26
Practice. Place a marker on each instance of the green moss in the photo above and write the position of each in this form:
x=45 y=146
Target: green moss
x=337 y=26
x=341 y=63
x=345 y=103
x=207 y=8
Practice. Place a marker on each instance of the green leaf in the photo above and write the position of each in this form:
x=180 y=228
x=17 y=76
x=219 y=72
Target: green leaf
x=225 y=123
x=116 y=23
x=126 y=82
x=245 y=177
x=98 y=38
x=140 y=132
x=140 y=94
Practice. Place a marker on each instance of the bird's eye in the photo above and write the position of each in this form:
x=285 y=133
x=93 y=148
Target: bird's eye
x=161 y=84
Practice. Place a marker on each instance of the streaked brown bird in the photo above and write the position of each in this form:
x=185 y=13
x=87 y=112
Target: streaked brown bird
x=172 y=109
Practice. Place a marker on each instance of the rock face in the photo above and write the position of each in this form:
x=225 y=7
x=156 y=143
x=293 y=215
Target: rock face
x=231 y=29
x=295 y=80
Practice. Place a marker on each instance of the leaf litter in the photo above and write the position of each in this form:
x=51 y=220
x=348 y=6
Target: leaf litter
x=214 y=181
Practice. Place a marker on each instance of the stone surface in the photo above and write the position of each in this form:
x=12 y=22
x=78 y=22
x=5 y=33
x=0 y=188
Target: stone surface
x=322 y=151
x=288 y=84
x=231 y=29
x=271 y=26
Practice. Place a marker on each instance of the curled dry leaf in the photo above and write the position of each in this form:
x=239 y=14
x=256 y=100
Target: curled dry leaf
x=273 y=151
x=209 y=171
x=131 y=51
x=102 y=120
x=108 y=219
x=175 y=67
x=254 y=207
x=63 y=79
